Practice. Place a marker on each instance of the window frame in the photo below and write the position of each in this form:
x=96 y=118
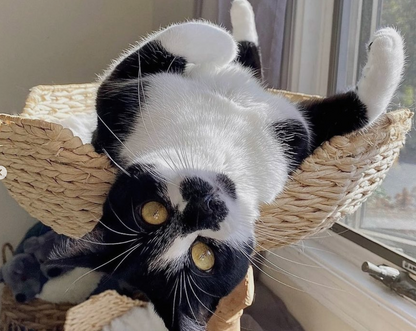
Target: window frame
x=342 y=52
x=348 y=248
x=351 y=32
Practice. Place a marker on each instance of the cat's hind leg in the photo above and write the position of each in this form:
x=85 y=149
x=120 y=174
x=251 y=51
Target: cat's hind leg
x=382 y=73
x=245 y=33
x=344 y=113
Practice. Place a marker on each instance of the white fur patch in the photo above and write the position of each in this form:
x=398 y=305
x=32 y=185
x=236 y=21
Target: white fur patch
x=81 y=125
x=383 y=71
x=175 y=195
x=63 y=289
x=175 y=255
x=137 y=319
x=243 y=22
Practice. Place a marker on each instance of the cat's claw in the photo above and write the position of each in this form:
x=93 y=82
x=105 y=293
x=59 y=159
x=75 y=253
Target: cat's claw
x=383 y=72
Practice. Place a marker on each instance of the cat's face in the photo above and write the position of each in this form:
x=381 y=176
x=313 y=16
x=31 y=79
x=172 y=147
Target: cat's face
x=184 y=247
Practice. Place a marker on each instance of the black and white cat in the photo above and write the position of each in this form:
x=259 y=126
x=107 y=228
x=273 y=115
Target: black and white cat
x=201 y=144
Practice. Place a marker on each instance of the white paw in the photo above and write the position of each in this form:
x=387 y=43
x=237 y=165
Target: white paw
x=383 y=72
x=243 y=22
x=199 y=43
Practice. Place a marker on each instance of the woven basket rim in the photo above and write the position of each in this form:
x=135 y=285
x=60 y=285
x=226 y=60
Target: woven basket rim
x=334 y=152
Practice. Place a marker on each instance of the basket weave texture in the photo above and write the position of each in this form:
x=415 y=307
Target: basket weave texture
x=36 y=315
x=63 y=182
x=98 y=311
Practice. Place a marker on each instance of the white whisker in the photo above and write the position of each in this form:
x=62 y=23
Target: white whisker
x=111 y=131
x=187 y=299
x=268 y=275
x=193 y=281
x=286 y=259
x=199 y=300
x=100 y=266
x=118 y=166
x=277 y=268
x=119 y=219
x=174 y=300
x=117 y=232
x=118 y=265
x=107 y=244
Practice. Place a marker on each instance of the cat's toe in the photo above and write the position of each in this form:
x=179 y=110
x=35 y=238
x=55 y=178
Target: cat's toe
x=387 y=41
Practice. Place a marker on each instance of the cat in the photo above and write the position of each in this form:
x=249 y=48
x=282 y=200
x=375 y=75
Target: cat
x=200 y=144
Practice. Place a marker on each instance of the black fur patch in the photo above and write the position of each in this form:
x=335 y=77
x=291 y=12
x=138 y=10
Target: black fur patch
x=336 y=115
x=227 y=185
x=249 y=56
x=150 y=59
x=204 y=208
x=121 y=95
x=294 y=136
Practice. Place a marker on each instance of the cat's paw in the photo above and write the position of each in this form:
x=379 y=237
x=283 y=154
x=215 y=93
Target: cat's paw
x=242 y=20
x=383 y=72
x=199 y=43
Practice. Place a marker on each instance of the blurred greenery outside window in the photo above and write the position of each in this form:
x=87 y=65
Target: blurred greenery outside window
x=389 y=215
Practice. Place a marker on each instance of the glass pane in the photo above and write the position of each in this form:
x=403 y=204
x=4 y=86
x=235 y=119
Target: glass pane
x=389 y=216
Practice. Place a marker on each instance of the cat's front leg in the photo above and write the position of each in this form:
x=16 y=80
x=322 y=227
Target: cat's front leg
x=347 y=112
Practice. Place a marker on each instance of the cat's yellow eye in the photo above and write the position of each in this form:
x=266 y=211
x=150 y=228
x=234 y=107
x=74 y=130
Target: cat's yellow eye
x=154 y=212
x=203 y=256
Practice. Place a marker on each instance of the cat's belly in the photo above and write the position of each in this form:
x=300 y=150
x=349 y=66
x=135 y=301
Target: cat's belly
x=185 y=123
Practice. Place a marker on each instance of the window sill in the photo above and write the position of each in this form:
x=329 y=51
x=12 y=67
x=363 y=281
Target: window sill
x=338 y=283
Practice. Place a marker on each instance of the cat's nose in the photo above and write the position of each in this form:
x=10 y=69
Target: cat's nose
x=205 y=204
x=20 y=297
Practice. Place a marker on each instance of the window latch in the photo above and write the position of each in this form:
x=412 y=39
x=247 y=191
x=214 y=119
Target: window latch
x=399 y=281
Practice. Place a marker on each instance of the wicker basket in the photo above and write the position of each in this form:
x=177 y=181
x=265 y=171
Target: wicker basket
x=37 y=315
x=63 y=183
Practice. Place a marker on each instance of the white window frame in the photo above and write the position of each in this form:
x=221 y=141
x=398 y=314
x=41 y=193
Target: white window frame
x=361 y=301
x=310 y=39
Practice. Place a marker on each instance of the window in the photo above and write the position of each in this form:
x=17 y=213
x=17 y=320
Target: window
x=389 y=215
x=383 y=231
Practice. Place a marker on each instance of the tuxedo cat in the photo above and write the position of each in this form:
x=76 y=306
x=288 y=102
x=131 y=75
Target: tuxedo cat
x=201 y=144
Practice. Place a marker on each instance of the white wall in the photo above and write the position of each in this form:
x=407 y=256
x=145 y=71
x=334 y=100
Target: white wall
x=66 y=41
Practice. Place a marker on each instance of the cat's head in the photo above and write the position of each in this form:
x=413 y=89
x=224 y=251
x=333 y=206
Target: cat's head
x=182 y=239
